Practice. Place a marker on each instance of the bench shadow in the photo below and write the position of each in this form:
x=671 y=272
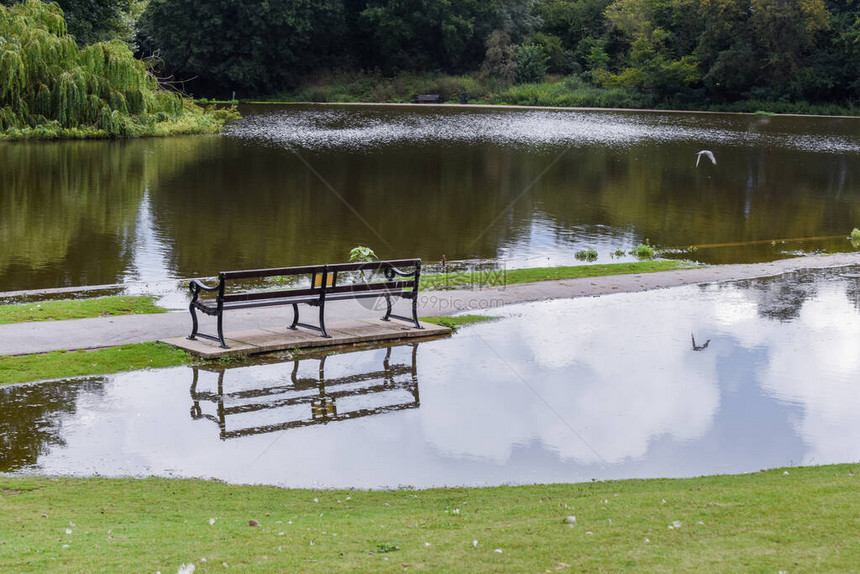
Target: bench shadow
x=244 y=401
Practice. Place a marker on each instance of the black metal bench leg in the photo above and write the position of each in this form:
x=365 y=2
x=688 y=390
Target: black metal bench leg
x=193 y=322
x=387 y=308
x=295 y=317
x=322 y=320
x=415 y=312
x=221 y=331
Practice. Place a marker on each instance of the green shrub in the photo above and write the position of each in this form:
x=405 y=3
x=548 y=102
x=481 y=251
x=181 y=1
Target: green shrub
x=531 y=63
x=644 y=251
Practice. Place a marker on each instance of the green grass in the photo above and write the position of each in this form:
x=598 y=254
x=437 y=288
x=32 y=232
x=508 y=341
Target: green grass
x=497 y=278
x=802 y=521
x=455 y=322
x=78 y=309
x=64 y=364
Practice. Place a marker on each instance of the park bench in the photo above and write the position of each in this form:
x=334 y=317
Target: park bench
x=331 y=282
x=428 y=99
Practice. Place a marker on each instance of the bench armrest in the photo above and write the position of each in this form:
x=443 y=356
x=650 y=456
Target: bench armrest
x=391 y=272
x=195 y=287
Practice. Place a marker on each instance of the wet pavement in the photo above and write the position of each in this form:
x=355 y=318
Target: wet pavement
x=720 y=378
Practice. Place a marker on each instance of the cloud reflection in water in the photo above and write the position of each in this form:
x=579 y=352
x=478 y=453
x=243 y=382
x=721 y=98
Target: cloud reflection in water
x=775 y=386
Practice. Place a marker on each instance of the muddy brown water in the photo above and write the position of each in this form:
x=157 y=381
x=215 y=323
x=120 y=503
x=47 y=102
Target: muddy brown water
x=304 y=184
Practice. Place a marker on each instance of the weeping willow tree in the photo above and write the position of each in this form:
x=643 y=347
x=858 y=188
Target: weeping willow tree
x=49 y=87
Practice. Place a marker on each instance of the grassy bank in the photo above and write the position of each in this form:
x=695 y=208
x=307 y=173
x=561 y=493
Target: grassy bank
x=63 y=364
x=109 y=360
x=800 y=519
x=78 y=309
x=555 y=91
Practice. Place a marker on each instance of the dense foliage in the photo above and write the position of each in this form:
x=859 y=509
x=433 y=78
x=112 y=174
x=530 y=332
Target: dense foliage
x=664 y=51
x=91 y=21
x=49 y=87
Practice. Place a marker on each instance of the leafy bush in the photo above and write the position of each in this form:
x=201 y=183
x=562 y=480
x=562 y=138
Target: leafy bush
x=362 y=254
x=531 y=63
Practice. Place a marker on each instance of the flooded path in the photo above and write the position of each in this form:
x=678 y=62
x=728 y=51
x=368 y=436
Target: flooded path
x=723 y=378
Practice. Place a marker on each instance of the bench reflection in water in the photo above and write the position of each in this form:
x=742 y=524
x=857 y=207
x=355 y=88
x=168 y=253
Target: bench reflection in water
x=266 y=398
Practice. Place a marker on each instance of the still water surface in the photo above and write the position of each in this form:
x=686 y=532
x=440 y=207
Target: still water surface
x=557 y=391
x=304 y=184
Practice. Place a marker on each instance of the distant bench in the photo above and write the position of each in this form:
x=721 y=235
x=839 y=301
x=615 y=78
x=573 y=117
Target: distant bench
x=428 y=99
x=324 y=285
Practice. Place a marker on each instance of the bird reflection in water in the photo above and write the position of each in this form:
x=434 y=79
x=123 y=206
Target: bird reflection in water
x=282 y=401
x=699 y=347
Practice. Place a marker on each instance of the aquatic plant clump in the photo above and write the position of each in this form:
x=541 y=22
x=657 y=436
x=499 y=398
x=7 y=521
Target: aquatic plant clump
x=644 y=251
x=51 y=88
x=586 y=255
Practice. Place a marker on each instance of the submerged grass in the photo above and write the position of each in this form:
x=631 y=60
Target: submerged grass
x=800 y=519
x=457 y=321
x=66 y=364
x=78 y=309
x=498 y=278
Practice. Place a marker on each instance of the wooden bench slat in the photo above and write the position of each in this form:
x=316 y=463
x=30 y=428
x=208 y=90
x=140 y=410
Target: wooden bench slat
x=273 y=272
x=361 y=287
x=373 y=265
x=258 y=295
x=212 y=304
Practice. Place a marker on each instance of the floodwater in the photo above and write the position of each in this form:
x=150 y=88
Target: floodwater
x=688 y=381
x=304 y=184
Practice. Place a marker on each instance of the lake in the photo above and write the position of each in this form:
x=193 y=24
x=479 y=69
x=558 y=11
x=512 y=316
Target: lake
x=304 y=184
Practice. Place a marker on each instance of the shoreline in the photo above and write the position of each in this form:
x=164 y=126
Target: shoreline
x=548 y=108
x=77 y=334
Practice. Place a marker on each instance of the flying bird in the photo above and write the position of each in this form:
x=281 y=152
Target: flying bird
x=708 y=154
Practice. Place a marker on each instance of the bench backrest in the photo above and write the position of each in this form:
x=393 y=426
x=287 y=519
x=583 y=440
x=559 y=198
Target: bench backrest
x=399 y=274
x=315 y=272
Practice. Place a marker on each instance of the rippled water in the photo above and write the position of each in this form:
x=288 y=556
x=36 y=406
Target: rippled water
x=361 y=129
x=566 y=390
x=292 y=185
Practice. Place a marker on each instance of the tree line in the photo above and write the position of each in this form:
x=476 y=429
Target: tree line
x=669 y=51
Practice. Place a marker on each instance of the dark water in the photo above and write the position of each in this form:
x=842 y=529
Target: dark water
x=292 y=185
x=558 y=391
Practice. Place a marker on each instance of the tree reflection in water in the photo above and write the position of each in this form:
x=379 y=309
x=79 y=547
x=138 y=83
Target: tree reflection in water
x=32 y=416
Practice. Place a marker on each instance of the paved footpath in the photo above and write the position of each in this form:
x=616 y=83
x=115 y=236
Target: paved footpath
x=25 y=338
